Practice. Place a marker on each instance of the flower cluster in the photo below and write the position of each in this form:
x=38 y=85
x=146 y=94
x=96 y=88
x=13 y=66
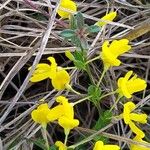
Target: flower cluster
x=59 y=77
x=63 y=112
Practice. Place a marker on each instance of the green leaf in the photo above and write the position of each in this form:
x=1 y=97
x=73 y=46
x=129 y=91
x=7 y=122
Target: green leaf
x=101 y=138
x=76 y=41
x=103 y=120
x=78 y=55
x=84 y=44
x=53 y=147
x=80 y=20
x=68 y=33
x=39 y=142
x=93 y=29
x=79 y=65
x=95 y=93
x=73 y=22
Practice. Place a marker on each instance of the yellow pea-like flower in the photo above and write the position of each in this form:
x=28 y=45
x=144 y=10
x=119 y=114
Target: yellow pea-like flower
x=99 y=145
x=60 y=79
x=60 y=145
x=39 y=115
x=138 y=147
x=66 y=120
x=130 y=118
x=110 y=52
x=44 y=71
x=108 y=17
x=127 y=85
x=68 y=5
x=68 y=123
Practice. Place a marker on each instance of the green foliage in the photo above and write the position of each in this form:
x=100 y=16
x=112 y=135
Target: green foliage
x=68 y=33
x=78 y=31
x=79 y=60
x=39 y=143
x=95 y=93
x=53 y=147
x=93 y=29
x=80 y=20
x=104 y=120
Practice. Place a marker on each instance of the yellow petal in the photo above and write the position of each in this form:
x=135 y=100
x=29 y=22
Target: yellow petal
x=68 y=123
x=128 y=107
x=99 y=145
x=39 y=115
x=108 y=17
x=55 y=113
x=138 y=147
x=136 y=85
x=60 y=80
x=118 y=47
x=141 y=118
x=60 y=145
x=136 y=130
x=108 y=58
x=67 y=107
x=68 y=5
x=111 y=147
x=41 y=72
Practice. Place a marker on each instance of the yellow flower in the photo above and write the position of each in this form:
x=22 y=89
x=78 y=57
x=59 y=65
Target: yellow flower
x=110 y=52
x=68 y=5
x=127 y=85
x=99 y=145
x=108 y=17
x=60 y=145
x=67 y=120
x=40 y=114
x=60 y=79
x=44 y=71
x=130 y=118
x=138 y=147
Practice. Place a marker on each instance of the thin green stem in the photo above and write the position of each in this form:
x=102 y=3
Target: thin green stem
x=115 y=103
x=68 y=68
x=71 y=89
x=89 y=73
x=102 y=75
x=66 y=136
x=44 y=131
x=113 y=92
x=81 y=100
x=95 y=58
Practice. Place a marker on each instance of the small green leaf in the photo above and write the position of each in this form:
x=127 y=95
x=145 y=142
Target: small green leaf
x=93 y=29
x=73 y=22
x=39 y=142
x=68 y=33
x=78 y=55
x=95 y=93
x=80 y=20
x=53 y=147
x=104 y=120
x=79 y=65
x=84 y=44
